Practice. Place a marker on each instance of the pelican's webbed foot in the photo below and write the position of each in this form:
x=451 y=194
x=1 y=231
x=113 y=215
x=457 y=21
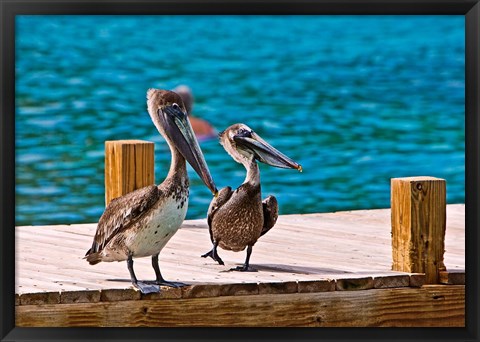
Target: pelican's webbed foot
x=214 y=254
x=164 y=282
x=246 y=266
x=143 y=287
x=243 y=268
x=146 y=288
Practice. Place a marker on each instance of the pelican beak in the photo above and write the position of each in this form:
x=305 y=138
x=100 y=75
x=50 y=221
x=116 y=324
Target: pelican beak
x=179 y=130
x=264 y=152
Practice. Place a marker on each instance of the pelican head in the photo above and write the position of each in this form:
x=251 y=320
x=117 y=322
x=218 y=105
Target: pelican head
x=244 y=145
x=169 y=115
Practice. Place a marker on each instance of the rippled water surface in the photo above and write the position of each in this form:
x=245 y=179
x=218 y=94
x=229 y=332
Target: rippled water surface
x=355 y=100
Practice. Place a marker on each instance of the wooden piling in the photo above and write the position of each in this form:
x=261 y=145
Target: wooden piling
x=418 y=226
x=129 y=165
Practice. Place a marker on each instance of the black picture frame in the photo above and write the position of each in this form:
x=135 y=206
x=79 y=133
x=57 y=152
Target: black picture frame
x=10 y=8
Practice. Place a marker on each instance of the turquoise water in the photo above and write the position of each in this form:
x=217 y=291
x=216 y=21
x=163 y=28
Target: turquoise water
x=356 y=100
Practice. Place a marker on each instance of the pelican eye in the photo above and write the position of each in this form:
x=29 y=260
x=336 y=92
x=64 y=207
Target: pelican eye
x=242 y=132
x=175 y=106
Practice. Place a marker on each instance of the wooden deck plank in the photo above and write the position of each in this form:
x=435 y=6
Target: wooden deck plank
x=303 y=248
x=429 y=306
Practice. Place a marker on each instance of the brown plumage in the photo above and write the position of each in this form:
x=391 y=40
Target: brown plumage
x=236 y=219
x=121 y=214
x=140 y=223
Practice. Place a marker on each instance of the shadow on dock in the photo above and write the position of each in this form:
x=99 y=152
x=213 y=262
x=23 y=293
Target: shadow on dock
x=279 y=268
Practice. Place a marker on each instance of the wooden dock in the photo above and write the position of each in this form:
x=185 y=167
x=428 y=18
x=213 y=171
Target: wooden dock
x=331 y=269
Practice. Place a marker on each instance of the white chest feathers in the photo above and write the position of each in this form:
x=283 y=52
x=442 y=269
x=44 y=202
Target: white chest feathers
x=157 y=227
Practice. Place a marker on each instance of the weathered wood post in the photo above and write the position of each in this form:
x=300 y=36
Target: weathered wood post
x=418 y=225
x=129 y=165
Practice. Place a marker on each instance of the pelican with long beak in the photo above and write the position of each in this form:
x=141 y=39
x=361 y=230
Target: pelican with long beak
x=236 y=219
x=140 y=223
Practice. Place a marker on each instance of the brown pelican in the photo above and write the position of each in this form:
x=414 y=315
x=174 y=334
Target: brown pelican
x=140 y=223
x=236 y=219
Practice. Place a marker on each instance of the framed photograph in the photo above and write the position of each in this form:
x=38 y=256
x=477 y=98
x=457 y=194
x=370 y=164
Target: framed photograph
x=220 y=105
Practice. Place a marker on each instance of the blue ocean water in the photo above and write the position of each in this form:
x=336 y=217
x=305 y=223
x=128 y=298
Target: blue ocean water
x=357 y=100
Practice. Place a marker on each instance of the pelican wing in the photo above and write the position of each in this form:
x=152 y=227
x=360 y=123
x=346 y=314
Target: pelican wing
x=222 y=197
x=270 y=213
x=121 y=213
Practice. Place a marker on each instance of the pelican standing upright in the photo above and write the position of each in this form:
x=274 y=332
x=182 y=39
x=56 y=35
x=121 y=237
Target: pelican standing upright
x=236 y=219
x=140 y=223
